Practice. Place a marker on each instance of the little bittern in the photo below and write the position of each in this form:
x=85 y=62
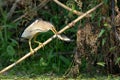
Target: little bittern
x=35 y=28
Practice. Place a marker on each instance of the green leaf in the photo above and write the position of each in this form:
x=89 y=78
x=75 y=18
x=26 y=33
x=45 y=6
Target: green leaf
x=103 y=41
x=11 y=26
x=10 y=50
x=14 y=42
x=42 y=62
x=12 y=59
x=117 y=61
x=112 y=48
x=106 y=24
x=65 y=60
x=105 y=1
x=101 y=32
x=101 y=64
x=54 y=66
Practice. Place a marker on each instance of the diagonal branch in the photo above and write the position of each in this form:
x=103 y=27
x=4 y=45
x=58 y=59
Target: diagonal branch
x=69 y=9
x=50 y=39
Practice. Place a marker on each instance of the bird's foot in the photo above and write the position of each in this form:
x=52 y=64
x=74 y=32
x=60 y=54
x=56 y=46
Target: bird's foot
x=32 y=51
x=41 y=44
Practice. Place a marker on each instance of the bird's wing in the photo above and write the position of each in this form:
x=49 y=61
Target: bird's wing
x=35 y=31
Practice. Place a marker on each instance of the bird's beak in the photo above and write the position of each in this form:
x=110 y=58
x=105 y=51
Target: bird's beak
x=54 y=30
x=61 y=37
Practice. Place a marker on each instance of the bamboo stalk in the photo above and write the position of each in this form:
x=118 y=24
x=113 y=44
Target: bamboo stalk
x=50 y=39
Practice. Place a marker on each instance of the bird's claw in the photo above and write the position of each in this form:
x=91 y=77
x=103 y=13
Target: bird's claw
x=41 y=44
x=32 y=51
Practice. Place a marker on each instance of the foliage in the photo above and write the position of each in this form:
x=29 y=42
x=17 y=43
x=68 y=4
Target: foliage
x=7 y=41
x=48 y=59
x=42 y=77
x=103 y=51
x=53 y=58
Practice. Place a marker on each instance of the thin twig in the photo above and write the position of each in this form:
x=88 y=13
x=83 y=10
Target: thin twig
x=69 y=9
x=50 y=39
x=9 y=15
x=22 y=16
x=43 y=3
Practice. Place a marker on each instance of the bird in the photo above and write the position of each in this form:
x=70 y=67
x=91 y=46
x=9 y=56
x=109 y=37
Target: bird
x=38 y=26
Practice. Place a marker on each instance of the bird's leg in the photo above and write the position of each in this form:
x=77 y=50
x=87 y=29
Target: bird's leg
x=31 y=50
x=37 y=41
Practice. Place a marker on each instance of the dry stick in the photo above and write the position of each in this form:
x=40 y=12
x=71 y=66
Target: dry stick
x=50 y=39
x=22 y=16
x=69 y=9
x=9 y=15
x=42 y=4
